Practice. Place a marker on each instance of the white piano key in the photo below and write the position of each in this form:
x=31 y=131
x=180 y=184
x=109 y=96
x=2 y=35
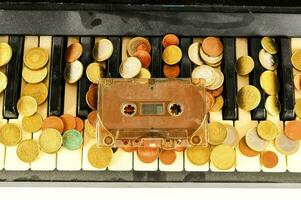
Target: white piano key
x=177 y=166
x=122 y=161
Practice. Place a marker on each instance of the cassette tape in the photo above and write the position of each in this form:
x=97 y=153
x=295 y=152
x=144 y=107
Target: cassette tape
x=165 y=113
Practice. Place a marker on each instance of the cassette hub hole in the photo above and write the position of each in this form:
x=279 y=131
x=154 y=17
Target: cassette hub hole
x=129 y=110
x=175 y=109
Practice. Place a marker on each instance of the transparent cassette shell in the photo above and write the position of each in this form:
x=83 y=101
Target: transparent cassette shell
x=165 y=113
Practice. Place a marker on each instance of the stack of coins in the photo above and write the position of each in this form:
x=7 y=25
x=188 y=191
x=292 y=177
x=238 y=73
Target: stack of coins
x=5 y=56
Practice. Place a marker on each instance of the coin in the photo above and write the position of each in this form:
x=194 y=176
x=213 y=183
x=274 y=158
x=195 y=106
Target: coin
x=269 y=45
x=129 y=149
x=50 y=140
x=147 y=154
x=172 y=55
x=218 y=80
x=53 y=122
x=6 y=53
x=32 y=123
x=10 y=135
x=38 y=91
x=297 y=81
x=219 y=103
x=217 y=92
x=36 y=58
x=95 y=71
x=103 y=50
x=254 y=141
x=138 y=43
x=285 y=145
x=171 y=71
x=245 y=150
x=3 y=82
x=269 y=159
x=296 y=60
x=212 y=61
x=72 y=139
x=167 y=157
x=223 y=157
x=28 y=150
x=34 y=76
x=269 y=83
x=198 y=155
x=144 y=73
x=130 y=67
x=268 y=61
x=27 y=106
x=232 y=137
x=74 y=51
x=73 y=71
x=180 y=149
x=68 y=121
x=297 y=108
x=212 y=46
x=267 y=130
x=91 y=130
x=170 y=39
x=91 y=98
x=244 y=65
x=272 y=105
x=92 y=118
x=210 y=101
x=205 y=72
x=194 y=53
x=79 y=124
x=292 y=130
x=217 y=133
x=100 y=157
x=248 y=98
x=144 y=57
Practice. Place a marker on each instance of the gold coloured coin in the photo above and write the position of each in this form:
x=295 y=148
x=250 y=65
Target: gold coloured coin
x=297 y=107
x=27 y=106
x=172 y=55
x=296 y=60
x=267 y=130
x=193 y=53
x=223 y=157
x=38 y=91
x=248 y=97
x=100 y=157
x=254 y=141
x=297 y=81
x=285 y=145
x=32 y=123
x=130 y=67
x=103 y=50
x=244 y=65
x=219 y=103
x=95 y=71
x=3 y=82
x=268 y=61
x=144 y=73
x=90 y=129
x=6 y=53
x=73 y=71
x=217 y=133
x=34 y=76
x=232 y=138
x=36 y=58
x=272 y=105
x=218 y=80
x=50 y=140
x=269 y=82
x=269 y=45
x=10 y=135
x=28 y=150
x=198 y=155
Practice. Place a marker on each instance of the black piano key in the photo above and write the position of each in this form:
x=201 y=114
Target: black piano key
x=285 y=75
x=114 y=61
x=185 y=64
x=229 y=91
x=156 y=67
x=254 y=48
x=82 y=109
x=56 y=79
x=14 y=75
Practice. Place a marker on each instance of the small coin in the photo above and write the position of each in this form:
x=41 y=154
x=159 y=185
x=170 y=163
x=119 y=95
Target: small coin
x=147 y=154
x=272 y=105
x=248 y=98
x=144 y=57
x=198 y=155
x=79 y=124
x=269 y=159
x=138 y=43
x=223 y=157
x=218 y=80
x=171 y=71
x=269 y=83
x=10 y=135
x=34 y=76
x=170 y=39
x=167 y=157
x=212 y=46
x=130 y=67
x=95 y=71
x=103 y=50
x=268 y=61
x=205 y=72
x=90 y=129
x=100 y=157
x=53 y=122
x=38 y=91
x=27 y=106
x=212 y=61
x=32 y=123
x=50 y=140
x=292 y=130
x=254 y=141
x=36 y=58
x=129 y=149
x=72 y=139
x=269 y=45
x=6 y=53
x=245 y=150
x=28 y=150
x=144 y=73
x=296 y=60
x=217 y=92
x=74 y=51
x=267 y=130
x=92 y=118
x=285 y=145
x=91 y=98
x=3 y=82
x=217 y=133
x=244 y=65
x=172 y=55
x=68 y=121
x=210 y=101
x=297 y=107
x=73 y=71
x=180 y=148
x=219 y=103
x=232 y=138
x=297 y=81
x=194 y=53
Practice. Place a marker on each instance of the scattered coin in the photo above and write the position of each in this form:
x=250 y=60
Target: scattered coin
x=218 y=80
x=3 y=81
x=167 y=157
x=27 y=106
x=53 y=122
x=194 y=53
x=103 y=50
x=72 y=139
x=172 y=55
x=68 y=121
x=74 y=51
x=144 y=57
x=198 y=155
x=91 y=98
x=130 y=67
x=28 y=151
x=248 y=97
x=170 y=39
x=223 y=157
x=10 y=135
x=100 y=157
x=205 y=72
x=296 y=60
x=269 y=159
x=272 y=105
x=147 y=154
x=129 y=149
x=244 y=65
x=6 y=53
x=34 y=76
x=297 y=107
x=79 y=124
x=171 y=71
x=50 y=140
x=38 y=91
x=138 y=43
x=269 y=45
x=144 y=73
x=292 y=130
x=92 y=118
x=297 y=81
x=245 y=150
x=268 y=61
x=269 y=83
x=32 y=123
x=95 y=71
x=36 y=58
x=217 y=133
x=212 y=46
x=217 y=92
x=232 y=137
x=285 y=145
x=219 y=103
x=210 y=101
x=254 y=141
x=267 y=130
x=212 y=61
x=73 y=71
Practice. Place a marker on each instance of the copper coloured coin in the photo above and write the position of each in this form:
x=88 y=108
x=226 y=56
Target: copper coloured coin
x=53 y=122
x=129 y=149
x=74 y=51
x=269 y=159
x=91 y=98
x=92 y=118
x=245 y=150
x=180 y=149
x=217 y=92
x=167 y=157
x=171 y=71
x=144 y=57
x=212 y=46
x=79 y=124
x=69 y=121
x=170 y=39
x=210 y=100
x=92 y=86
x=293 y=130
x=147 y=154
